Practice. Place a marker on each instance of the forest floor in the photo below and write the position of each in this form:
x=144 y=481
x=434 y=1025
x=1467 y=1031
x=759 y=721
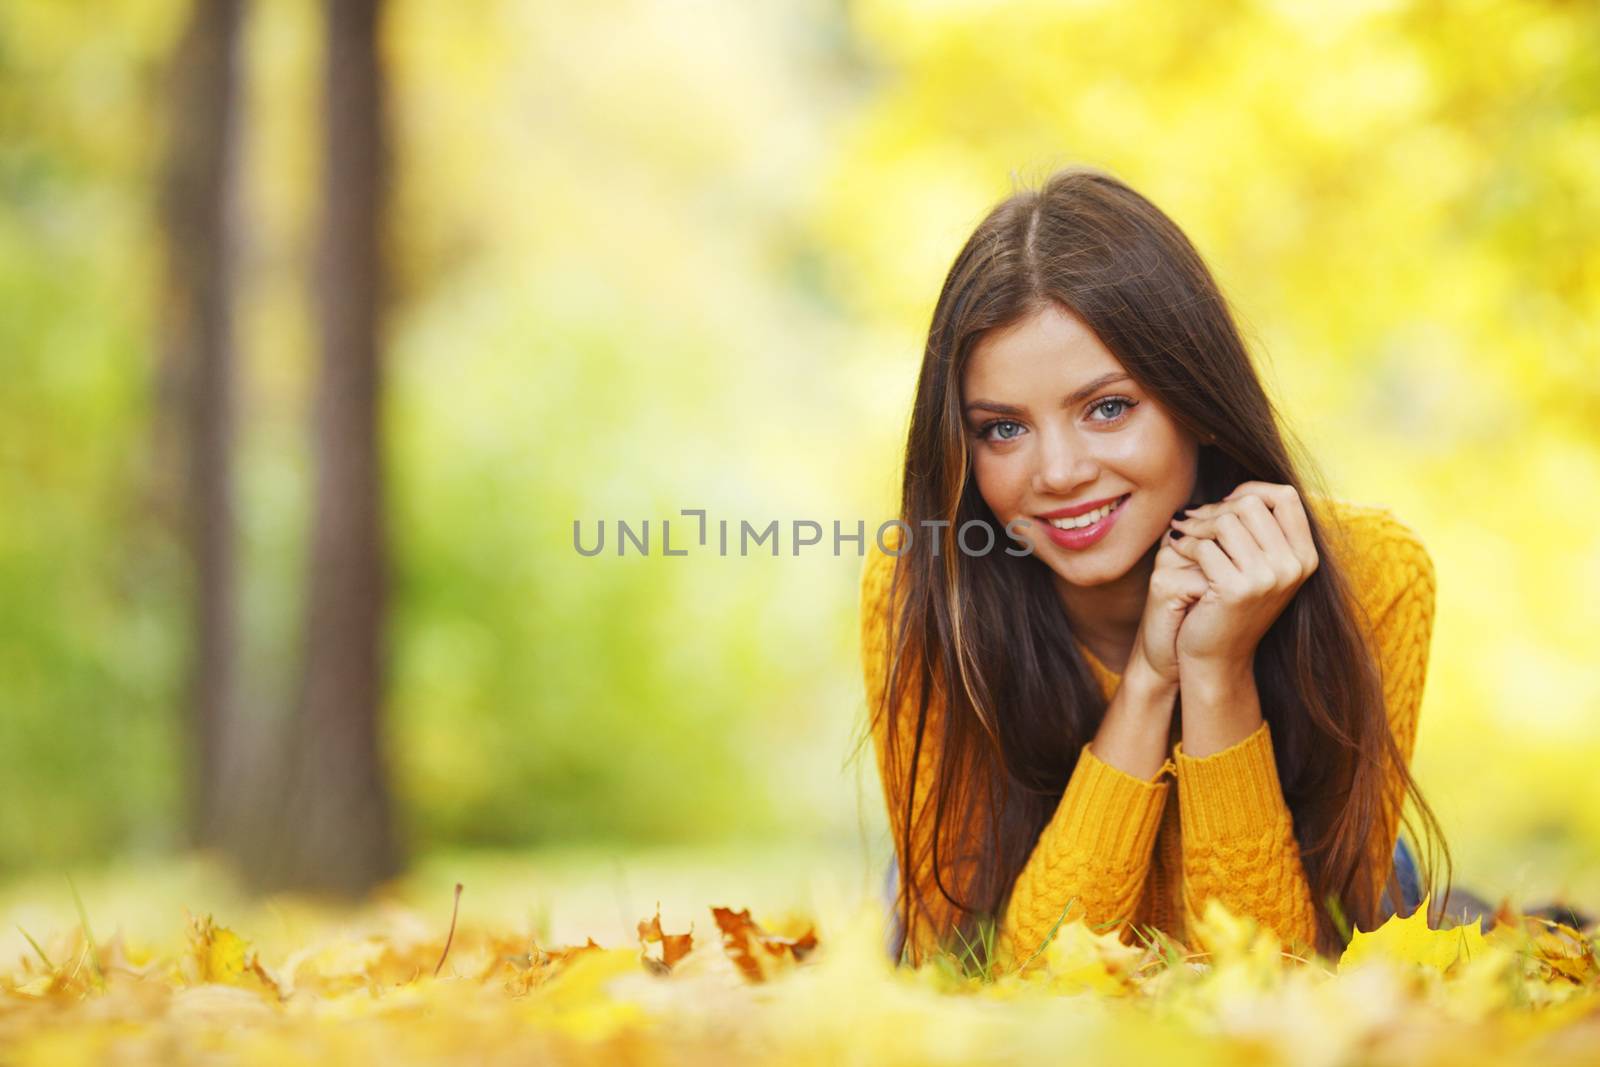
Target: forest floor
x=737 y=954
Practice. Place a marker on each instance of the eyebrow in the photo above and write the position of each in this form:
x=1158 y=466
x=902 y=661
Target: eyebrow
x=1082 y=393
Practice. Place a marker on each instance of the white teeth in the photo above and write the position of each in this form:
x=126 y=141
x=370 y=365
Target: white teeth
x=1077 y=522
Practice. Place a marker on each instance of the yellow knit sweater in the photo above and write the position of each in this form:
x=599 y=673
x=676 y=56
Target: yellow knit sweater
x=1127 y=847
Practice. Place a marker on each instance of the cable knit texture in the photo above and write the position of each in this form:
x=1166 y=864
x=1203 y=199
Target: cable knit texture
x=1121 y=849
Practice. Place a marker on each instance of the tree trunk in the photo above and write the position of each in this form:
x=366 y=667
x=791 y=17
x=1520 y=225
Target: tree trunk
x=333 y=825
x=197 y=380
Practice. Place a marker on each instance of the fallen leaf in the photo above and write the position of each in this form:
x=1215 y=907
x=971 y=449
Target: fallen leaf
x=758 y=954
x=1078 y=960
x=673 y=946
x=1412 y=940
x=220 y=956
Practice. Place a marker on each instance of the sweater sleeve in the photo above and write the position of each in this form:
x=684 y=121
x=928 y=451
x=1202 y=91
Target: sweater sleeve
x=1238 y=840
x=1238 y=832
x=1091 y=859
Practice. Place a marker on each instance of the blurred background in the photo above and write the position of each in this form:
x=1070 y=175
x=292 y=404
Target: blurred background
x=322 y=325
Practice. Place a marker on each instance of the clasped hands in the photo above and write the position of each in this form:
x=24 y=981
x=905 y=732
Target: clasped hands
x=1238 y=563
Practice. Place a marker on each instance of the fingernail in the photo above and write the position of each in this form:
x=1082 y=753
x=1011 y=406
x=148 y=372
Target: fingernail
x=1180 y=513
x=1174 y=534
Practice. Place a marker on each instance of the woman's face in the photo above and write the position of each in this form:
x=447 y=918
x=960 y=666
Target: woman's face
x=1054 y=422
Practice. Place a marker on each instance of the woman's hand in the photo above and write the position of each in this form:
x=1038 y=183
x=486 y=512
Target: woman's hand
x=1133 y=734
x=1255 y=549
x=1176 y=584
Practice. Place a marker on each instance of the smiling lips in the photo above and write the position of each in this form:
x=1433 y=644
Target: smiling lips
x=1081 y=526
x=1074 y=510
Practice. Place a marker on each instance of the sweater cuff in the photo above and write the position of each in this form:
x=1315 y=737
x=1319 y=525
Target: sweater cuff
x=1109 y=810
x=1229 y=794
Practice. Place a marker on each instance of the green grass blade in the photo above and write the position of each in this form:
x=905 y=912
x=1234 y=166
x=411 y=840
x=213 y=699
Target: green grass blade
x=88 y=934
x=1048 y=937
x=48 y=965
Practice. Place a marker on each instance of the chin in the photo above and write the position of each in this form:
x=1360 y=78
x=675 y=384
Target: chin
x=1091 y=573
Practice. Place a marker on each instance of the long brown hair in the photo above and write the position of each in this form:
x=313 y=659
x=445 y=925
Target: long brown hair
x=1024 y=700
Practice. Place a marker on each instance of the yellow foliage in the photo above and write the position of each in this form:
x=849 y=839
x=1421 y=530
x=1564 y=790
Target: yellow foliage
x=384 y=987
x=1078 y=960
x=218 y=955
x=1412 y=940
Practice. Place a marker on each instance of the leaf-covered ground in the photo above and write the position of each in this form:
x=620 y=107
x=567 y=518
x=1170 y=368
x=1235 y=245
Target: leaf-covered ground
x=400 y=985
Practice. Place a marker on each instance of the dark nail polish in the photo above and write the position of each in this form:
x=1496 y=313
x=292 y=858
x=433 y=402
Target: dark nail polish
x=1174 y=534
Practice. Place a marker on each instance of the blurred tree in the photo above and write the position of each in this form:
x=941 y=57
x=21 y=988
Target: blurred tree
x=197 y=380
x=616 y=309
x=330 y=827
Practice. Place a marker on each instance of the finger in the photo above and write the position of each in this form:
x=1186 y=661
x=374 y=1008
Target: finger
x=1289 y=510
x=1251 y=558
x=1217 y=567
x=1191 y=583
x=1245 y=552
x=1220 y=570
x=1177 y=575
x=1260 y=536
x=1263 y=526
x=1169 y=556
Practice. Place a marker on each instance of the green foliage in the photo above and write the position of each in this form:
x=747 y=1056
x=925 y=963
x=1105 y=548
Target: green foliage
x=660 y=258
x=89 y=587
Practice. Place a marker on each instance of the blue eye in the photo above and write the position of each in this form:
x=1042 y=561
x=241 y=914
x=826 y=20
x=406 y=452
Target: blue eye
x=995 y=430
x=1124 y=403
x=987 y=427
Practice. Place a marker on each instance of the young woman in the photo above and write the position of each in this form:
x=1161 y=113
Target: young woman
x=1123 y=707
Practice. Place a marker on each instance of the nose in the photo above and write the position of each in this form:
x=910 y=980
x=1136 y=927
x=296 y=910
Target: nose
x=1064 y=464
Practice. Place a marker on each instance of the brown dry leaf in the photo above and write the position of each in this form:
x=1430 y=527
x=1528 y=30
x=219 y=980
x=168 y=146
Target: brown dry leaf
x=1561 y=950
x=673 y=946
x=356 y=995
x=1567 y=952
x=558 y=956
x=758 y=954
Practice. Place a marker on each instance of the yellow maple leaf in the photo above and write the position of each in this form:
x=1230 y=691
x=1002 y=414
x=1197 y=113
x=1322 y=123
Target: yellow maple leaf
x=1227 y=936
x=1411 y=940
x=1078 y=960
x=576 y=1001
x=220 y=956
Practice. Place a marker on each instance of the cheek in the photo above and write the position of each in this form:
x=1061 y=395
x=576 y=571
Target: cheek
x=1001 y=482
x=1147 y=457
